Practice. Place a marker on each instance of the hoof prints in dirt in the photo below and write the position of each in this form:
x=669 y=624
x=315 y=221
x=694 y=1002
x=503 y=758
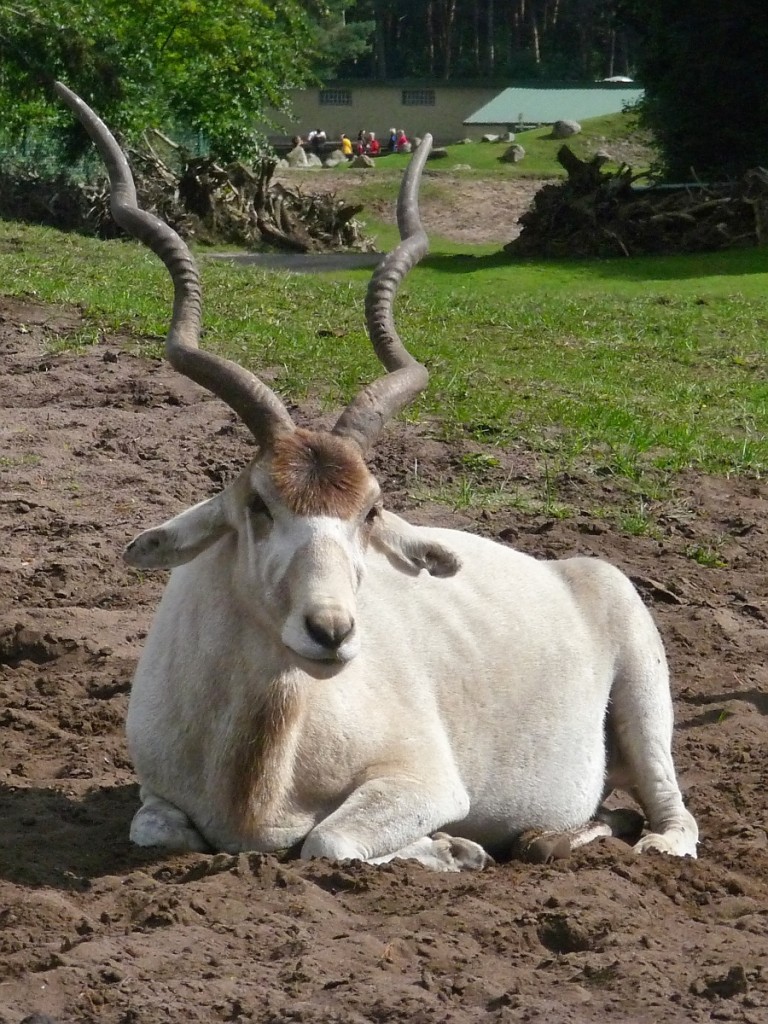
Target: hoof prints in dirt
x=100 y=445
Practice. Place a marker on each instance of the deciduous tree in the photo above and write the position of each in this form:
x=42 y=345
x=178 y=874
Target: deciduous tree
x=209 y=66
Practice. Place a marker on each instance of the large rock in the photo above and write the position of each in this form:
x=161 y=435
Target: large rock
x=297 y=157
x=564 y=129
x=362 y=161
x=513 y=155
x=490 y=138
x=438 y=153
x=334 y=158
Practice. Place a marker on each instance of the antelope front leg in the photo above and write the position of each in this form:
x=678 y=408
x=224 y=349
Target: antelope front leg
x=393 y=817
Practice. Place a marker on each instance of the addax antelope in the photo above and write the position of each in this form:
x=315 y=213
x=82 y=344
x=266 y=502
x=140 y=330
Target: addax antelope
x=322 y=674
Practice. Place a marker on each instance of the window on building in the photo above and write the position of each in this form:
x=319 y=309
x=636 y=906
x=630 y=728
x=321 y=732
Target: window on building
x=335 y=98
x=418 y=97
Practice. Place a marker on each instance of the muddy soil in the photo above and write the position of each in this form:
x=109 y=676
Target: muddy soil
x=98 y=445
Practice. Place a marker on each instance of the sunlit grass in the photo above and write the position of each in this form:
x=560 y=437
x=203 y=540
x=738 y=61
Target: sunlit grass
x=640 y=367
x=540 y=159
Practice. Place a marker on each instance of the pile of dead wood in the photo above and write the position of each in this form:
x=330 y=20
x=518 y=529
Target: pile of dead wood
x=600 y=213
x=201 y=200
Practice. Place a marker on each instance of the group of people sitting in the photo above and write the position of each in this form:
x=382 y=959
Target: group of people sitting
x=366 y=143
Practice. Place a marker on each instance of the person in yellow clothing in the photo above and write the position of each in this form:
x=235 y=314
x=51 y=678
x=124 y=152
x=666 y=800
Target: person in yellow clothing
x=346 y=145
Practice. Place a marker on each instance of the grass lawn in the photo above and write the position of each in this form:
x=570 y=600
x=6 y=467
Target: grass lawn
x=540 y=151
x=648 y=366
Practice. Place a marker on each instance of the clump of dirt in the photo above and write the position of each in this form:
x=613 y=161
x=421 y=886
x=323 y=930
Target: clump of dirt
x=97 y=446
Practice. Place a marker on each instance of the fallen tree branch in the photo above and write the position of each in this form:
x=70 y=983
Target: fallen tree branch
x=599 y=213
x=203 y=200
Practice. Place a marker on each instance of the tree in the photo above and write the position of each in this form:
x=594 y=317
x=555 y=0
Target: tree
x=704 y=70
x=338 y=40
x=492 y=40
x=207 y=66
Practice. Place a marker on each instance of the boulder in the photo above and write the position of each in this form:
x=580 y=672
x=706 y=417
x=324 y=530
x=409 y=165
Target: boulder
x=438 y=153
x=513 y=155
x=362 y=161
x=334 y=158
x=564 y=129
x=296 y=157
x=508 y=137
x=490 y=138
x=462 y=167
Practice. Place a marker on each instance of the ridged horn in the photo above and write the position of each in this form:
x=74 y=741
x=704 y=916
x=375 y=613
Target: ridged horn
x=256 y=405
x=378 y=402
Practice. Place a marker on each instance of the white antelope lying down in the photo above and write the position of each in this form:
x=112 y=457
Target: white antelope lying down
x=322 y=673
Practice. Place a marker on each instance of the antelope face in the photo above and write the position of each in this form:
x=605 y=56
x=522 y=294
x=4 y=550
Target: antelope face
x=310 y=509
x=302 y=517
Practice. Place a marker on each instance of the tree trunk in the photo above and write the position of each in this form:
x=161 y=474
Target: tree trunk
x=491 y=38
x=535 y=41
x=380 y=62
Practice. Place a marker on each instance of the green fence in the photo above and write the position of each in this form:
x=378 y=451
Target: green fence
x=44 y=152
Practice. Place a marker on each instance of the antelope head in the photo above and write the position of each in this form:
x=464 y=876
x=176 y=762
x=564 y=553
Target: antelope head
x=295 y=525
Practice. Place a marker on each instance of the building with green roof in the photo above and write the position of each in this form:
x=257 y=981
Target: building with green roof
x=533 y=105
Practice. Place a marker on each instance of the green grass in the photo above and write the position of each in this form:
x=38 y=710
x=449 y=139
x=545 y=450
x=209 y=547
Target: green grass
x=8 y=461
x=540 y=154
x=638 y=367
x=76 y=341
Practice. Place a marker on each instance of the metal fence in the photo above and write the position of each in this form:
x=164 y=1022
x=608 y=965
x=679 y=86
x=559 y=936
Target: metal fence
x=45 y=153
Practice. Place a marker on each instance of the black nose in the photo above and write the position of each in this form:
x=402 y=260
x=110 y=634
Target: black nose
x=330 y=631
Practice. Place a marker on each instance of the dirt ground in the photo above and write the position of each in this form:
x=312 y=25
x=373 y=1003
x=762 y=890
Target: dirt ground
x=471 y=211
x=98 y=445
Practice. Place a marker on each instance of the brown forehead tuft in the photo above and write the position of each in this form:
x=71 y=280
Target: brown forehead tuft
x=319 y=474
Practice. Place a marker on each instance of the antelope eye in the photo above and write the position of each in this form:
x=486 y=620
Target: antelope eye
x=258 y=507
x=372 y=514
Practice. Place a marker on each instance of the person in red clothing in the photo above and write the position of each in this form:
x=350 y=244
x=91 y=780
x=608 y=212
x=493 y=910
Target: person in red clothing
x=374 y=146
x=403 y=145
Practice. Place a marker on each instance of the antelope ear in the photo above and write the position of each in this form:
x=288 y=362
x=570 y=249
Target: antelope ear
x=409 y=550
x=180 y=539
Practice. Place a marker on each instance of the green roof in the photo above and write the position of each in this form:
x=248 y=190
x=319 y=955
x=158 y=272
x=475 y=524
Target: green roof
x=544 y=106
